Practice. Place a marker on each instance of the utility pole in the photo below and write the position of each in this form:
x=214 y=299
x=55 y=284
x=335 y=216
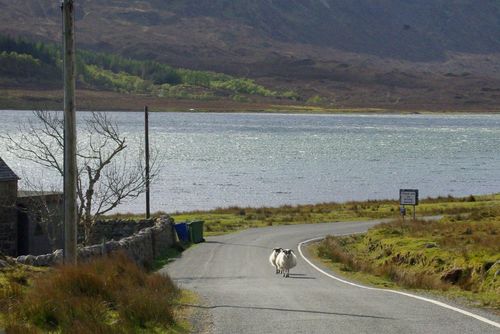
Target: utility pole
x=70 y=169
x=146 y=135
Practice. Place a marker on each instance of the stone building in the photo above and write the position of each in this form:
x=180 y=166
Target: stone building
x=31 y=229
x=39 y=222
x=8 y=211
x=30 y=222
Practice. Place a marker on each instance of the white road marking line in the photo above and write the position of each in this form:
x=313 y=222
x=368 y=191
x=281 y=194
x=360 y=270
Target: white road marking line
x=475 y=316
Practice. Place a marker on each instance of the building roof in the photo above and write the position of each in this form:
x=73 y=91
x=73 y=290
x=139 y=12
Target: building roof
x=6 y=174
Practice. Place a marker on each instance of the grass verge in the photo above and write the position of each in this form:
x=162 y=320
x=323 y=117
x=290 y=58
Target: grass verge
x=169 y=255
x=232 y=219
x=456 y=257
x=226 y=220
x=108 y=295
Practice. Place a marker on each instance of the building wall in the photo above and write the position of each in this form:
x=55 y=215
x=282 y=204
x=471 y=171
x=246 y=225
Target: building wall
x=40 y=224
x=8 y=218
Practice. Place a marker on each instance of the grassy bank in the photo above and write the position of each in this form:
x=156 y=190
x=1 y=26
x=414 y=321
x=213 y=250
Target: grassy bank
x=458 y=256
x=109 y=295
x=232 y=219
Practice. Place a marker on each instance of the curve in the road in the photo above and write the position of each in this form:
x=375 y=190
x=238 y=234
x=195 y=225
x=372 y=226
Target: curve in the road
x=456 y=309
x=243 y=294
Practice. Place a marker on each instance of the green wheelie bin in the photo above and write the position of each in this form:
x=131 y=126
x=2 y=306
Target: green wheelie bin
x=196 y=231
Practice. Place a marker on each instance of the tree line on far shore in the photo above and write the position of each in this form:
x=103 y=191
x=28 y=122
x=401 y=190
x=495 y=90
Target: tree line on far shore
x=25 y=61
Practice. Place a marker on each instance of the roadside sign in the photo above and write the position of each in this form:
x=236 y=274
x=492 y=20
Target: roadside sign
x=408 y=196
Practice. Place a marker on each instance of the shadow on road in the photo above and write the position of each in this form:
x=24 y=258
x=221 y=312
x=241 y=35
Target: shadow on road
x=212 y=278
x=284 y=310
x=300 y=276
x=233 y=244
x=292 y=276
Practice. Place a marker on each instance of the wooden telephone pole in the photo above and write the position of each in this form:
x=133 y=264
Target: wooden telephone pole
x=70 y=169
x=146 y=137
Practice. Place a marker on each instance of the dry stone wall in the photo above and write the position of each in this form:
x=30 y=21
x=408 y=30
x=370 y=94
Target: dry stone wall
x=116 y=229
x=143 y=246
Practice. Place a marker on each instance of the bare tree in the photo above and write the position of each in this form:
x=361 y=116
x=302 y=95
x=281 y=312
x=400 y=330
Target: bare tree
x=106 y=175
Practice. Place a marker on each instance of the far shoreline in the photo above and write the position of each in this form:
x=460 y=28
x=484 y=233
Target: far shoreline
x=284 y=111
x=389 y=201
x=107 y=101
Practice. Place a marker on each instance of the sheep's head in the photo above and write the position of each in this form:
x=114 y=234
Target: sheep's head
x=278 y=250
x=287 y=251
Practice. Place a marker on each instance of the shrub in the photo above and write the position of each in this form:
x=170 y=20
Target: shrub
x=316 y=99
x=242 y=86
x=142 y=308
x=108 y=295
x=291 y=95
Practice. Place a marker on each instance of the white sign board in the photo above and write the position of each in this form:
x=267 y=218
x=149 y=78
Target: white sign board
x=408 y=196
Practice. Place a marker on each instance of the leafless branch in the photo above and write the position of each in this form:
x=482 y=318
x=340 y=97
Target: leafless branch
x=106 y=176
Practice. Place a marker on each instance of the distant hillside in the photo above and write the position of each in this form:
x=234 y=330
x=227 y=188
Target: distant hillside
x=425 y=54
x=23 y=61
x=420 y=30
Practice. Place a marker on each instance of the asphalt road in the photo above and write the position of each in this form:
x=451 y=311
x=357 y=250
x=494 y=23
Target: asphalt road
x=244 y=295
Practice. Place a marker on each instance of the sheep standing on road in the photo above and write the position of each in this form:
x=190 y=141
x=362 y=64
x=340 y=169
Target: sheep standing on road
x=273 y=256
x=285 y=261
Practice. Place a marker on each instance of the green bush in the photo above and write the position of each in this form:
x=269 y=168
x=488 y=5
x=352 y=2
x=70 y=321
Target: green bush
x=316 y=99
x=243 y=86
x=291 y=95
x=121 y=82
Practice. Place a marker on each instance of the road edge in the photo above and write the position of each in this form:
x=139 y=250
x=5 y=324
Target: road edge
x=429 y=300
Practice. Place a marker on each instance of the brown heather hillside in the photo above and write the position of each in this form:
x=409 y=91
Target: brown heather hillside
x=427 y=54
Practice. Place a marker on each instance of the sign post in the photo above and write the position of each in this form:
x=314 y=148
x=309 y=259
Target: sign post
x=402 y=210
x=408 y=197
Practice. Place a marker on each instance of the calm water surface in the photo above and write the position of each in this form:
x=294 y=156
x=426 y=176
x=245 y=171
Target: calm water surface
x=216 y=160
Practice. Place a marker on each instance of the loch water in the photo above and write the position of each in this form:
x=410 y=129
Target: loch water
x=223 y=159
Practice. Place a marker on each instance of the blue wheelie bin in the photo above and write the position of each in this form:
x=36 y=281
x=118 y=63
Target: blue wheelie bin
x=182 y=231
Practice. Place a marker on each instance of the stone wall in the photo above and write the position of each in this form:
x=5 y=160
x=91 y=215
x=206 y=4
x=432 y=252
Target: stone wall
x=116 y=229
x=8 y=218
x=143 y=247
